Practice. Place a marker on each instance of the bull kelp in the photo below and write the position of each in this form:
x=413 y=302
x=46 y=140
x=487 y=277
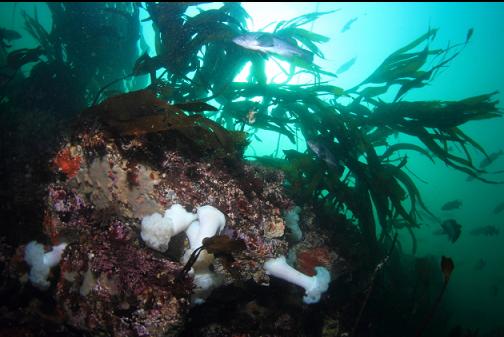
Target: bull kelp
x=104 y=126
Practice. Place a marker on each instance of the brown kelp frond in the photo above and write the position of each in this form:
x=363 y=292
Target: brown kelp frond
x=307 y=38
x=459 y=163
x=404 y=67
x=436 y=114
x=219 y=246
x=447 y=267
x=180 y=40
x=39 y=33
x=392 y=149
x=402 y=64
x=413 y=192
x=139 y=113
x=369 y=290
x=436 y=123
x=290 y=31
x=196 y=106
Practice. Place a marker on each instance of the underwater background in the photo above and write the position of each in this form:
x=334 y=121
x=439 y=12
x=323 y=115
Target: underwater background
x=361 y=36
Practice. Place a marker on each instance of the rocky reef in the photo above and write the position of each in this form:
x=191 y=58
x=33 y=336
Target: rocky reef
x=105 y=182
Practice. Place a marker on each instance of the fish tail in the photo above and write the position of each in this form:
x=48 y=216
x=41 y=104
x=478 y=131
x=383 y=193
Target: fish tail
x=306 y=55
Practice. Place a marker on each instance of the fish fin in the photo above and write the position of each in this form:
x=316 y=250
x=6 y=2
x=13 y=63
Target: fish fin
x=306 y=55
x=266 y=40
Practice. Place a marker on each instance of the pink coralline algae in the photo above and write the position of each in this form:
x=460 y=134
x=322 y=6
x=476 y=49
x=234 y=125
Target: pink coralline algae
x=109 y=280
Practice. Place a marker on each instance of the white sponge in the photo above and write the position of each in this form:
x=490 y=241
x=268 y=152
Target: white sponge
x=157 y=230
x=211 y=220
x=314 y=286
x=292 y=222
x=41 y=262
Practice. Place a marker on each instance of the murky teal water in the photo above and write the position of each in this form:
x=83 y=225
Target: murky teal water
x=475 y=297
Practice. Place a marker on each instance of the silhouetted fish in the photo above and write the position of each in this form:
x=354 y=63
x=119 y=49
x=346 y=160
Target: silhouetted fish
x=348 y=24
x=490 y=159
x=345 y=66
x=486 y=230
x=480 y=264
x=499 y=208
x=9 y=34
x=455 y=204
x=451 y=228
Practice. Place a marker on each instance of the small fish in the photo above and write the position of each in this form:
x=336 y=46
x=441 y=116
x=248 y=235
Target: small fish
x=9 y=35
x=485 y=230
x=270 y=43
x=455 y=204
x=348 y=24
x=345 y=66
x=470 y=33
x=490 y=159
x=480 y=264
x=323 y=153
x=451 y=228
x=499 y=208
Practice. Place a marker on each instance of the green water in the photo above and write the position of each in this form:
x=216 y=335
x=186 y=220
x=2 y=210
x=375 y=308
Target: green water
x=475 y=298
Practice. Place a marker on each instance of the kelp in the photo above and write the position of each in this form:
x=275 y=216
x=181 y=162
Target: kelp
x=447 y=267
x=435 y=124
x=392 y=149
x=39 y=33
x=139 y=113
x=96 y=52
x=193 y=97
x=440 y=115
x=354 y=130
x=18 y=58
x=291 y=32
x=196 y=106
x=404 y=67
x=402 y=64
x=181 y=39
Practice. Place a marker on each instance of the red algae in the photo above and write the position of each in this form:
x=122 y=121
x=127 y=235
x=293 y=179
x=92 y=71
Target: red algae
x=67 y=163
x=308 y=259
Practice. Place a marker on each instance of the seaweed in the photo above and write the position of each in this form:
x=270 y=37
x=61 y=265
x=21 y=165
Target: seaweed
x=193 y=98
x=199 y=62
x=138 y=113
x=219 y=246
